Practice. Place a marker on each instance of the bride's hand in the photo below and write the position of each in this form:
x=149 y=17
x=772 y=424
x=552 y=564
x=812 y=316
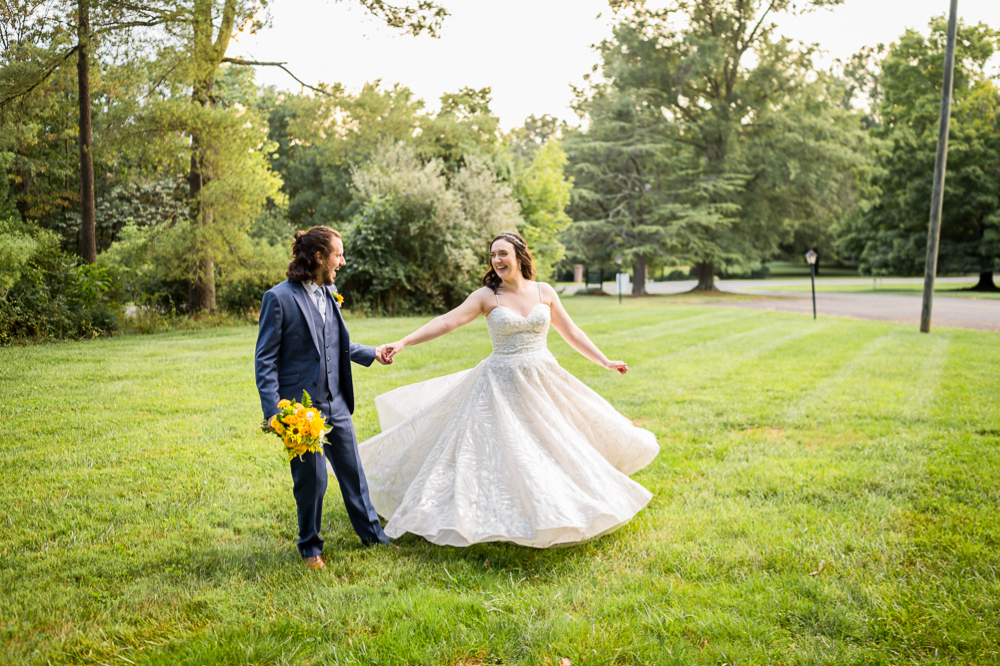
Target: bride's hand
x=620 y=366
x=391 y=349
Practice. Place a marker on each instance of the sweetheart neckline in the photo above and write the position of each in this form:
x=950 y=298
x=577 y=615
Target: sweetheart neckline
x=515 y=311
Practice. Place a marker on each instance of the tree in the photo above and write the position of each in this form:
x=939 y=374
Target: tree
x=42 y=20
x=615 y=164
x=421 y=235
x=543 y=192
x=745 y=105
x=891 y=236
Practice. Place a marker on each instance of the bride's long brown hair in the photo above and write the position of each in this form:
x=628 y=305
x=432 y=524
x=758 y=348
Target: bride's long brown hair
x=521 y=252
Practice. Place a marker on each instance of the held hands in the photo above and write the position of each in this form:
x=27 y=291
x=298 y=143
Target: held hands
x=620 y=366
x=381 y=356
x=391 y=349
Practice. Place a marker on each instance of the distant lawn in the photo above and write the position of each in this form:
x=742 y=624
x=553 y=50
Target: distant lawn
x=826 y=494
x=950 y=289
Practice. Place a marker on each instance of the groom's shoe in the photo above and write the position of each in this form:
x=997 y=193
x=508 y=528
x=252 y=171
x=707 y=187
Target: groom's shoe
x=315 y=563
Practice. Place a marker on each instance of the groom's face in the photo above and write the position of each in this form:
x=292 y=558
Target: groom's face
x=328 y=265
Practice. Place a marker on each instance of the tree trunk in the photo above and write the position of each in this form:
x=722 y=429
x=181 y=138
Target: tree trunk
x=706 y=276
x=985 y=282
x=206 y=55
x=201 y=289
x=639 y=275
x=88 y=225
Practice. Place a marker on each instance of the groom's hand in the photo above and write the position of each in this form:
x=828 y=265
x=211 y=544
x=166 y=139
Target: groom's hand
x=381 y=356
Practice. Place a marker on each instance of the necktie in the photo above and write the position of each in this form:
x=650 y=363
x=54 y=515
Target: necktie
x=320 y=304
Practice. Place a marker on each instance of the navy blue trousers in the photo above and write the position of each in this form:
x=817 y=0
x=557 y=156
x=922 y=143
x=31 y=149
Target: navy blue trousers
x=310 y=481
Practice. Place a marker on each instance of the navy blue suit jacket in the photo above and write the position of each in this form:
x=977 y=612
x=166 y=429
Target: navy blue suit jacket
x=286 y=360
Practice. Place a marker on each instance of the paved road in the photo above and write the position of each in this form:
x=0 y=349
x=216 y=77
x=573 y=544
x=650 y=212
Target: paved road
x=977 y=314
x=982 y=315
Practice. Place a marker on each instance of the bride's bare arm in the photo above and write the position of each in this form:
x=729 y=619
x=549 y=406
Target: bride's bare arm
x=576 y=338
x=473 y=306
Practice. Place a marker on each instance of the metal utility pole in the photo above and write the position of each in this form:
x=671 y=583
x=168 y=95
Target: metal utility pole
x=940 y=161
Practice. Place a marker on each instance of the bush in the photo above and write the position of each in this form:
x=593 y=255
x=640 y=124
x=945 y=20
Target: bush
x=50 y=294
x=419 y=241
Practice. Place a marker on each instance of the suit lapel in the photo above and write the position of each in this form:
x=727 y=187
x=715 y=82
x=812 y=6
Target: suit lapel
x=345 y=341
x=301 y=297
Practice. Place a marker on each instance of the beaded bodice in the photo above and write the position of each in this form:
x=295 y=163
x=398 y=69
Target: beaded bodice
x=511 y=333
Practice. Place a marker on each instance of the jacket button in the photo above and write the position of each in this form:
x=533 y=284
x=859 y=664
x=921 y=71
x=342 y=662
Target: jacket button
x=328 y=346
x=327 y=372
x=314 y=383
x=317 y=358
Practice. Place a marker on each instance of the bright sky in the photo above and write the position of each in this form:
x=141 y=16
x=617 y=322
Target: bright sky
x=528 y=51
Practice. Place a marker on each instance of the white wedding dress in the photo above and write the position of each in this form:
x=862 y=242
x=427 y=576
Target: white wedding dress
x=515 y=449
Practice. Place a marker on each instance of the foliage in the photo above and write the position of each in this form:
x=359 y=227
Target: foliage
x=615 y=163
x=419 y=242
x=718 y=97
x=322 y=138
x=866 y=446
x=890 y=238
x=543 y=192
x=45 y=293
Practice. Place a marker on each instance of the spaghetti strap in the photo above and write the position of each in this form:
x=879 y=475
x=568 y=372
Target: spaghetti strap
x=496 y=297
x=539 y=284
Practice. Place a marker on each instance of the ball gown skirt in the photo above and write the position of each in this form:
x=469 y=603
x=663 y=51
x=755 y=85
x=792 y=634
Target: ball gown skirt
x=515 y=449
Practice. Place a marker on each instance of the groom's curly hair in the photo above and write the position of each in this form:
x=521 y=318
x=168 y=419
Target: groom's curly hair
x=521 y=252
x=303 y=266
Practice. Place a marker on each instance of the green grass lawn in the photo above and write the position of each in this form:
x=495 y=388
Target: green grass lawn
x=951 y=290
x=826 y=493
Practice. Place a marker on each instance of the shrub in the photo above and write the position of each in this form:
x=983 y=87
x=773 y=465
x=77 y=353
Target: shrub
x=419 y=242
x=50 y=294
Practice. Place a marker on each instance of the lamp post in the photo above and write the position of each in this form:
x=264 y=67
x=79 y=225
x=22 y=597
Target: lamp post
x=618 y=278
x=811 y=258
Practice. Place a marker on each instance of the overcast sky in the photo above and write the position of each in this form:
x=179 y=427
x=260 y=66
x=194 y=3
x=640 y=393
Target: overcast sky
x=528 y=51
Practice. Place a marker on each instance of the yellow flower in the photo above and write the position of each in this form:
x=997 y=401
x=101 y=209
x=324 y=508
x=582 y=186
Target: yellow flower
x=340 y=299
x=284 y=403
x=276 y=425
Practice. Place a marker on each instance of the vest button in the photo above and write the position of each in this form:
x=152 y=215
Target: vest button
x=317 y=359
x=328 y=358
x=314 y=383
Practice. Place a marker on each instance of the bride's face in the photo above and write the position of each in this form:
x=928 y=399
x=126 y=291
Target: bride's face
x=503 y=259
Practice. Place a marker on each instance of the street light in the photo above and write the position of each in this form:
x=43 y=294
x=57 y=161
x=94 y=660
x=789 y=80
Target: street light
x=811 y=258
x=618 y=278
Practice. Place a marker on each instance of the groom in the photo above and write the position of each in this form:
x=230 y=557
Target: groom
x=303 y=345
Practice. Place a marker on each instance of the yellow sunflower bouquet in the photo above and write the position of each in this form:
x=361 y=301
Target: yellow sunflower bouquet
x=299 y=425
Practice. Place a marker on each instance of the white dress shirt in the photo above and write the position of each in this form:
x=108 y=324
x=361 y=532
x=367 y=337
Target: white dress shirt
x=318 y=297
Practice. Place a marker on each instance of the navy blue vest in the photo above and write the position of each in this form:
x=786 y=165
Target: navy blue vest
x=329 y=351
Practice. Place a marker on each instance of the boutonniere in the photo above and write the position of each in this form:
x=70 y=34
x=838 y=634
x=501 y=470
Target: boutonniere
x=337 y=297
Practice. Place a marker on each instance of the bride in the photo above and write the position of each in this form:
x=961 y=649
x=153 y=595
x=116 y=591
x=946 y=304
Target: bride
x=515 y=449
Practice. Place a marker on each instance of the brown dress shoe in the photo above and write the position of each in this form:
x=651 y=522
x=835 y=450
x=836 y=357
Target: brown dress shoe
x=314 y=563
